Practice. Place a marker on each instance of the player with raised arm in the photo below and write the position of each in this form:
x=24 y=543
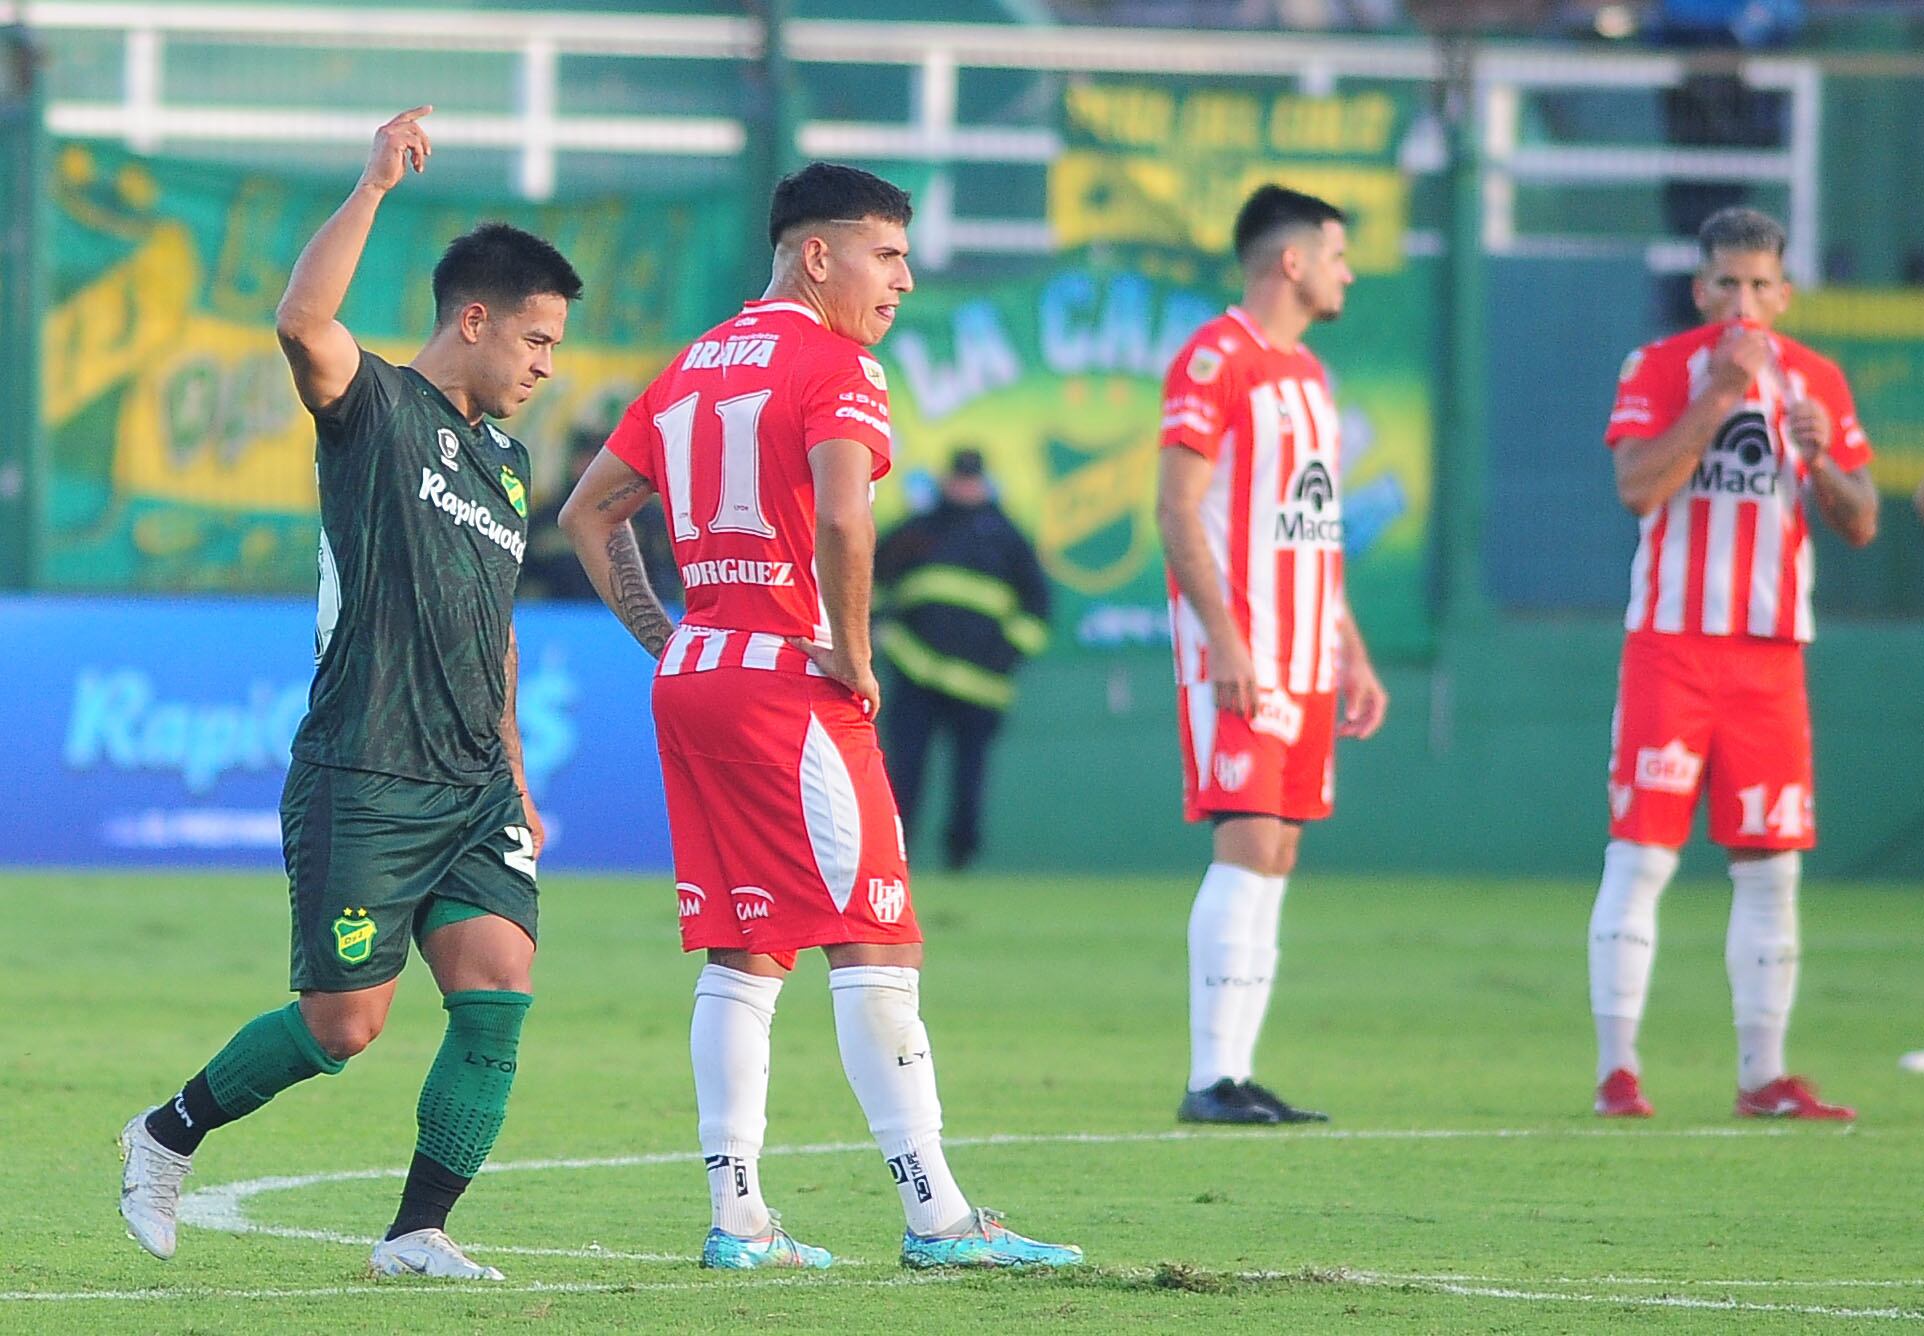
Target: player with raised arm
x=1249 y=504
x=763 y=438
x=1720 y=435
x=406 y=811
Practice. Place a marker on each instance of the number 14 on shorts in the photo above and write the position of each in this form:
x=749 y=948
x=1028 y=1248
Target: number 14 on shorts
x=1788 y=818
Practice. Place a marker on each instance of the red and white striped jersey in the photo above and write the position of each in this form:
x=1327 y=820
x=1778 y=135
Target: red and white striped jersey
x=1730 y=553
x=723 y=434
x=1273 y=514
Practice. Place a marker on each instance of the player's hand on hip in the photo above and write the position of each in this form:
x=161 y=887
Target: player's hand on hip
x=1739 y=358
x=1233 y=673
x=535 y=829
x=1809 y=424
x=1365 y=702
x=398 y=145
x=857 y=677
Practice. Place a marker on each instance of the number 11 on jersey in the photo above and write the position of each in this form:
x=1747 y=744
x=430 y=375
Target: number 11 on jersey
x=739 y=508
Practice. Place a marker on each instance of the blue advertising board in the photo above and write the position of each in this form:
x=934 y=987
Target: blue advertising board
x=156 y=731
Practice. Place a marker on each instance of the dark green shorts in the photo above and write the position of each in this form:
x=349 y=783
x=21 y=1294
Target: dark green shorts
x=371 y=857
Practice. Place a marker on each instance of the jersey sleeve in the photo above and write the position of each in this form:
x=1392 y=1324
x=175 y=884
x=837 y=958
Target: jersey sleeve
x=1652 y=392
x=376 y=388
x=1195 y=400
x=633 y=440
x=848 y=400
x=1849 y=446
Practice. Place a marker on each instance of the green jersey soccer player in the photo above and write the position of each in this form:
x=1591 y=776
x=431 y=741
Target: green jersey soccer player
x=405 y=816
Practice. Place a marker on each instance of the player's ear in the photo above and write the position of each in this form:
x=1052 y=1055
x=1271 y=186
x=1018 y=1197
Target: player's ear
x=815 y=257
x=473 y=316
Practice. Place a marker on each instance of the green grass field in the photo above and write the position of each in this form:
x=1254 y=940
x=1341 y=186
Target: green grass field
x=1462 y=1186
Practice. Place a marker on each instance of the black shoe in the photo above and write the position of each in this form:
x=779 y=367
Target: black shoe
x=1285 y=1112
x=1224 y=1102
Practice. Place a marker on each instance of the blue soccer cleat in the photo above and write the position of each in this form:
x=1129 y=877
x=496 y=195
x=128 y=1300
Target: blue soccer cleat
x=984 y=1242
x=777 y=1249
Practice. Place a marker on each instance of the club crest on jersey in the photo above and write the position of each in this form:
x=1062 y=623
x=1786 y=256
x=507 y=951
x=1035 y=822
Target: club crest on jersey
x=873 y=370
x=354 y=937
x=517 y=494
x=1631 y=365
x=450 y=449
x=1672 y=768
x=1204 y=365
x=888 y=898
x=1232 y=770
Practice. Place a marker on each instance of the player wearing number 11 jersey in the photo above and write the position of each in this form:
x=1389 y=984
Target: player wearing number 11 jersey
x=1721 y=436
x=763 y=438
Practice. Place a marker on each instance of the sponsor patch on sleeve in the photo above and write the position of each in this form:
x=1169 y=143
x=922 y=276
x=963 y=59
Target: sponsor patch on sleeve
x=873 y=370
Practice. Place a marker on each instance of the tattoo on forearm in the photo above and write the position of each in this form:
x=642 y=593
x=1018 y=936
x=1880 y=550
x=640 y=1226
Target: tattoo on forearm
x=630 y=596
x=621 y=494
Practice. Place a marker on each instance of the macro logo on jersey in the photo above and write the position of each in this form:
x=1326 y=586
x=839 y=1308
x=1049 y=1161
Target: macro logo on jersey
x=354 y=937
x=1671 y=768
x=1312 y=518
x=517 y=494
x=1741 y=461
x=450 y=449
x=692 y=898
x=735 y=350
x=435 y=492
x=752 y=902
x=888 y=898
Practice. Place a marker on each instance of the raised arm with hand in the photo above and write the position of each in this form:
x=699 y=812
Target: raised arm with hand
x=317 y=345
x=845 y=565
x=1649 y=472
x=595 y=518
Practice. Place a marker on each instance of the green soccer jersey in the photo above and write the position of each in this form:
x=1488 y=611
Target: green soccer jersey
x=423 y=527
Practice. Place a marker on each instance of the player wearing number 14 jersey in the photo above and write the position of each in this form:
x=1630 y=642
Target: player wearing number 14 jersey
x=1722 y=437
x=763 y=439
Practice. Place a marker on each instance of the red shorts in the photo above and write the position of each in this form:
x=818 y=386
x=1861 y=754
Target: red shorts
x=1280 y=763
x=1725 y=709
x=784 y=826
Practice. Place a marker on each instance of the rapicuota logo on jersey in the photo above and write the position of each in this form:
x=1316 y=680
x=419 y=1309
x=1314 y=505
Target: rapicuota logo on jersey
x=1742 y=460
x=517 y=494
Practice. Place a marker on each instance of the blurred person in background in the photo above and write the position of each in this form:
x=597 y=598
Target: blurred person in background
x=406 y=815
x=552 y=571
x=1270 y=665
x=1720 y=436
x=966 y=602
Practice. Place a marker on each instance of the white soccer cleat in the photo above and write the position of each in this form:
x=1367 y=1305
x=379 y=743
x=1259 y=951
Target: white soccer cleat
x=150 y=1187
x=427 y=1252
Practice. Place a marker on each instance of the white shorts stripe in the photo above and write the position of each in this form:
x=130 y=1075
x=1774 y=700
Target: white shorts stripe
x=1201 y=702
x=831 y=813
x=763 y=649
x=714 y=642
x=676 y=652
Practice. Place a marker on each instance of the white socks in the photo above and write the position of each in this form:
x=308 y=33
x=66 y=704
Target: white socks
x=1761 y=953
x=885 y=1053
x=728 y=1040
x=1233 y=928
x=1623 y=945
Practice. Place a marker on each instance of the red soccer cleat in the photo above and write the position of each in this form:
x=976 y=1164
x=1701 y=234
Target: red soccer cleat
x=1621 y=1097
x=1790 y=1097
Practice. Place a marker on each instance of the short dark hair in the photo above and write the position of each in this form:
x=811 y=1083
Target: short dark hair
x=501 y=267
x=1274 y=209
x=1741 y=229
x=828 y=192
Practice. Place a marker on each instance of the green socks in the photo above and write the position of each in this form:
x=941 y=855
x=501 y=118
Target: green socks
x=270 y=1053
x=466 y=1095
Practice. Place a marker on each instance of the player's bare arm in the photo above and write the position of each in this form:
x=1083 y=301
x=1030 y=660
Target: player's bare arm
x=595 y=518
x=1182 y=479
x=1365 y=701
x=511 y=743
x=318 y=347
x=845 y=565
x=1847 y=500
x=1650 y=472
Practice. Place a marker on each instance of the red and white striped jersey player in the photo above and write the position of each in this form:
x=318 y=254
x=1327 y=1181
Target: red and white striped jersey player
x=763 y=439
x=1250 y=508
x=1724 y=438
